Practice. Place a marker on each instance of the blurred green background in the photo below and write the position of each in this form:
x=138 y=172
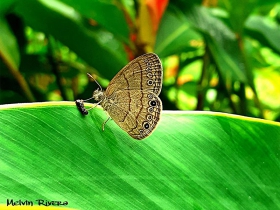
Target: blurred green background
x=217 y=55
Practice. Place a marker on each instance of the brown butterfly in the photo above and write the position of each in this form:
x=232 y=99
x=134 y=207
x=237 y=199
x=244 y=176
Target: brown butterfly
x=131 y=98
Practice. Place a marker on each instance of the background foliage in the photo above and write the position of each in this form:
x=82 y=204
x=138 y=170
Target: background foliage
x=217 y=55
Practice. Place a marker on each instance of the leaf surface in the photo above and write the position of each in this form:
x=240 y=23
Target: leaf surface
x=193 y=160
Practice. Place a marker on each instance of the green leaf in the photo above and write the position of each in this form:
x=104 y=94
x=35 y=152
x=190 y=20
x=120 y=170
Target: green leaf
x=175 y=34
x=102 y=12
x=238 y=12
x=96 y=46
x=222 y=43
x=193 y=160
x=5 y=5
x=264 y=31
x=9 y=51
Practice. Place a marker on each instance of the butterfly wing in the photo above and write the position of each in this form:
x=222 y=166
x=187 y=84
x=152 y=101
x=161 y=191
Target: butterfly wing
x=135 y=111
x=143 y=73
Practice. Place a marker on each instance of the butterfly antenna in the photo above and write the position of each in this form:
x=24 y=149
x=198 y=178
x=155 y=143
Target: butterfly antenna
x=89 y=75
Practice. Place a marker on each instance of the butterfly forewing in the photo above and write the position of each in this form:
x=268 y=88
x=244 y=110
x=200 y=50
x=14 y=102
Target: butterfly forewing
x=143 y=73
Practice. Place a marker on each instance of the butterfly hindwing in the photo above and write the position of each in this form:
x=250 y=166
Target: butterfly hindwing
x=135 y=111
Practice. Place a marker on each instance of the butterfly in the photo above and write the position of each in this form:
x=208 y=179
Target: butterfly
x=131 y=98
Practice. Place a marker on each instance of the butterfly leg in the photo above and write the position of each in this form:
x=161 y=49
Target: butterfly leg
x=103 y=125
x=93 y=106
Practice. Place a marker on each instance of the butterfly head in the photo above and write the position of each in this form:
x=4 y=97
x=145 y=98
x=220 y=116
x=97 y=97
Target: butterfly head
x=98 y=95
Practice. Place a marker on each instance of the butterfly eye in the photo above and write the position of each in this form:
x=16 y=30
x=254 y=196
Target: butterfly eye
x=152 y=103
x=146 y=125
